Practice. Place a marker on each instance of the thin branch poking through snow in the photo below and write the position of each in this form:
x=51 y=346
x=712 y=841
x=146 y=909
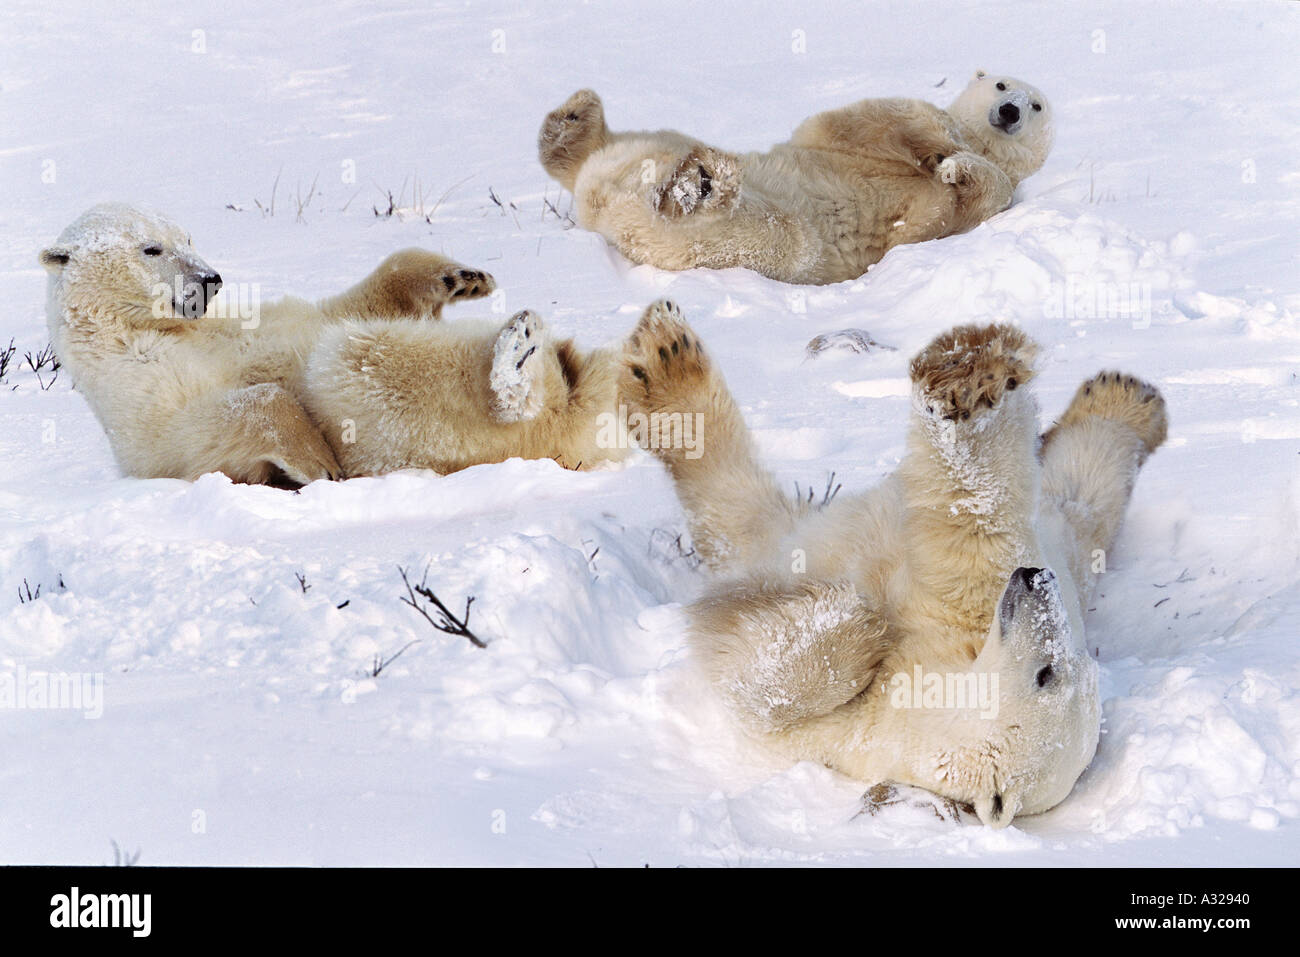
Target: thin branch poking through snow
x=380 y=664
x=303 y=203
x=6 y=356
x=832 y=489
x=44 y=359
x=446 y=620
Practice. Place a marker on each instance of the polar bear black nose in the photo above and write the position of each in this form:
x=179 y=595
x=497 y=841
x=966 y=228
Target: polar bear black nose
x=1009 y=112
x=199 y=292
x=211 y=285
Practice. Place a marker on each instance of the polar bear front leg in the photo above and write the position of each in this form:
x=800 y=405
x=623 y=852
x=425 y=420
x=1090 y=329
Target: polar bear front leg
x=891 y=794
x=258 y=435
x=781 y=653
x=983 y=190
x=970 y=475
x=900 y=130
x=569 y=134
x=516 y=379
x=679 y=408
x=411 y=283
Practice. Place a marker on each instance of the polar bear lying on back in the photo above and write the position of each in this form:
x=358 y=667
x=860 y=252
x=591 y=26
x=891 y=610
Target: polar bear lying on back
x=360 y=383
x=972 y=564
x=849 y=185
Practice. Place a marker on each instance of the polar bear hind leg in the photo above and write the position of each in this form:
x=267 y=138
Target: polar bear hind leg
x=1091 y=458
x=694 y=217
x=516 y=380
x=669 y=200
x=570 y=133
x=704 y=180
x=680 y=409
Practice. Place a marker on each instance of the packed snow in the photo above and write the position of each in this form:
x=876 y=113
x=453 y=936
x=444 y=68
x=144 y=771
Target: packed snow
x=237 y=629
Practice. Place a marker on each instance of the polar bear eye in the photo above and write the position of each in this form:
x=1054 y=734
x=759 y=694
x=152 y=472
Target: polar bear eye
x=1044 y=676
x=1002 y=86
x=1038 y=107
x=152 y=250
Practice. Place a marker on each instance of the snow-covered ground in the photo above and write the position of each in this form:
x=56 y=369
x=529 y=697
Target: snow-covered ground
x=238 y=721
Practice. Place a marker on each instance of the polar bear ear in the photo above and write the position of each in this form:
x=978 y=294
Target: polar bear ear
x=55 y=258
x=981 y=74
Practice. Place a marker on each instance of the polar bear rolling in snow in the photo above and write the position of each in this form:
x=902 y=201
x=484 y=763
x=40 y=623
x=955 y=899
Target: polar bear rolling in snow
x=848 y=186
x=360 y=383
x=973 y=561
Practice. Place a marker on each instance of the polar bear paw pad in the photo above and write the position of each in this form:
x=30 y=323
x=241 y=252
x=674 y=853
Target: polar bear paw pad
x=703 y=180
x=970 y=368
x=516 y=368
x=1123 y=398
x=461 y=283
x=663 y=354
x=571 y=132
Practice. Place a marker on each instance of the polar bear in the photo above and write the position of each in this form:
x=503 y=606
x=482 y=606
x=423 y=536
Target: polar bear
x=361 y=383
x=928 y=632
x=848 y=186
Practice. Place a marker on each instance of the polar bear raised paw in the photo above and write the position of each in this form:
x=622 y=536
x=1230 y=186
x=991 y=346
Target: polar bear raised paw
x=663 y=360
x=516 y=377
x=970 y=368
x=570 y=133
x=413 y=283
x=705 y=180
x=956 y=170
x=1123 y=398
x=461 y=283
x=427 y=281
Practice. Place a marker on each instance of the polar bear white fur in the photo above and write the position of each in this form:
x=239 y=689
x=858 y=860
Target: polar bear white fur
x=401 y=394
x=845 y=189
x=182 y=387
x=973 y=562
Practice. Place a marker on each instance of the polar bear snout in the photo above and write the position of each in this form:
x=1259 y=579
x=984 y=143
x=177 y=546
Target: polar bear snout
x=1008 y=113
x=1039 y=583
x=196 y=293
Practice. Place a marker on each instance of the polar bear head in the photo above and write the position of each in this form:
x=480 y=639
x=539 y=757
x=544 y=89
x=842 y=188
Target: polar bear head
x=1008 y=120
x=122 y=264
x=1047 y=723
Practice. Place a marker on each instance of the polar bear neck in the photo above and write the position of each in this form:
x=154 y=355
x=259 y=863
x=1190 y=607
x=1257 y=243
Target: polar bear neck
x=98 y=319
x=91 y=340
